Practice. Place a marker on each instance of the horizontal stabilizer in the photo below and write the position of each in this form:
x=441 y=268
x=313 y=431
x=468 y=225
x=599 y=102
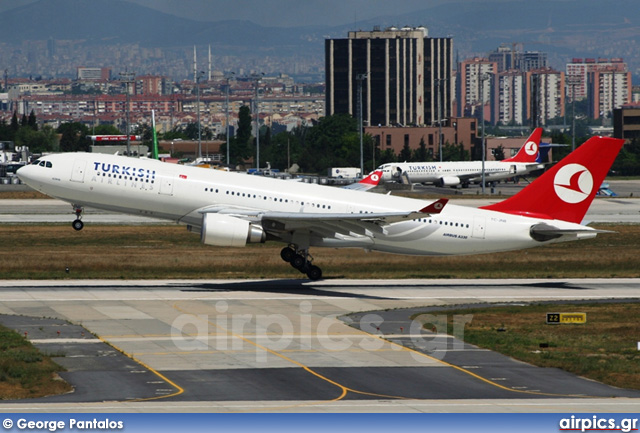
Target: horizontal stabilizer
x=546 y=232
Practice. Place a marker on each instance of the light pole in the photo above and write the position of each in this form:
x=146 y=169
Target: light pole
x=198 y=76
x=257 y=78
x=438 y=81
x=483 y=78
x=127 y=78
x=226 y=109
x=573 y=81
x=360 y=78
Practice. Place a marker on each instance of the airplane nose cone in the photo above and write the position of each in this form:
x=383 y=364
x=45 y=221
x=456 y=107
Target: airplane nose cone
x=26 y=174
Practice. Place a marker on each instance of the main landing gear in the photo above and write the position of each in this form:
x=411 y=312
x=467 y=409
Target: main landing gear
x=77 y=224
x=301 y=260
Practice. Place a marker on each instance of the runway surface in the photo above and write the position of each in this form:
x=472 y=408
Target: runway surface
x=291 y=345
x=12 y=211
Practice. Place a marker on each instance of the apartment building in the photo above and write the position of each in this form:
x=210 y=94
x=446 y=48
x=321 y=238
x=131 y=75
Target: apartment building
x=475 y=87
x=577 y=74
x=607 y=89
x=545 y=96
x=402 y=76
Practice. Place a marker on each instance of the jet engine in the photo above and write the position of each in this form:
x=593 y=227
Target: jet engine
x=449 y=181
x=228 y=231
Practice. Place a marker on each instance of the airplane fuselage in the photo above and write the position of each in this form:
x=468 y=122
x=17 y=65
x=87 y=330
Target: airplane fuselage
x=184 y=194
x=451 y=173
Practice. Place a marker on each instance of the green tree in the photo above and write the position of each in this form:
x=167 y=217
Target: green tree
x=498 y=153
x=282 y=144
x=420 y=154
x=105 y=130
x=74 y=137
x=333 y=141
x=628 y=161
x=453 y=152
x=405 y=153
x=6 y=133
x=388 y=156
x=44 y=140
x=14 y=122
x=32 y=122
x=241 y=146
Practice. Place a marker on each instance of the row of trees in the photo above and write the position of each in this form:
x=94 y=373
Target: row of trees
x=69 y=137
x=333 y=141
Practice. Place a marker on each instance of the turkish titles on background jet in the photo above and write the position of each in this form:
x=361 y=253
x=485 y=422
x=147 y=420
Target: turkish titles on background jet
x=453 y=173
x=233 y=209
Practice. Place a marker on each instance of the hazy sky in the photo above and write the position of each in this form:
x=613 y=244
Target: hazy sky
x=277 y=13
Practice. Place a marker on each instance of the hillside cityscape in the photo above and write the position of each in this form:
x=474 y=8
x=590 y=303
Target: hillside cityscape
x=292 y=77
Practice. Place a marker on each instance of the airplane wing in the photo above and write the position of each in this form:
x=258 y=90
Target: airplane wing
x=328 y=224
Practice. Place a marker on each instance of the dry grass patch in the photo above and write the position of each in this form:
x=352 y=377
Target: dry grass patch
x=130 y=252
x=22 y=194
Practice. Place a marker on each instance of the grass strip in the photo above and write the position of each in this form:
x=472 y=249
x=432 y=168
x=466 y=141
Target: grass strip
x=24 y=371
x=603 y=349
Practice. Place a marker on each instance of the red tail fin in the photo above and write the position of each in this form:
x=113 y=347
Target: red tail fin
x=529 y=151
x=373 y=178
x=566 y=190
x=367 y=183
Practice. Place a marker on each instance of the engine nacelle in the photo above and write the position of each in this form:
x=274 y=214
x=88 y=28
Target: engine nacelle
x=228 y=231
x=449 y=181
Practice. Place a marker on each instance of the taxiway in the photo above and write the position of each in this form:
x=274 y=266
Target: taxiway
x=286 y=345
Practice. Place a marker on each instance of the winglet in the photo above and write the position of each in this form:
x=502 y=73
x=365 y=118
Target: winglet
x=435 y=207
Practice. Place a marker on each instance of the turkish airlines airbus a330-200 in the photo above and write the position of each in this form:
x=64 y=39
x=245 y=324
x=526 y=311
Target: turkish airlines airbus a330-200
x=233 y=209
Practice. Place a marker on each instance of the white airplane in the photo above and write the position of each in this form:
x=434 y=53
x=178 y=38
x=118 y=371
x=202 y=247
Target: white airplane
x=232 y=209
x=453 y=173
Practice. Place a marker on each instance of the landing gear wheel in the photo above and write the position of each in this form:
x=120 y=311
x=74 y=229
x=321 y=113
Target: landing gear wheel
x=77 y=225
x=299 y=262
x=314 y=273
x=287 y=254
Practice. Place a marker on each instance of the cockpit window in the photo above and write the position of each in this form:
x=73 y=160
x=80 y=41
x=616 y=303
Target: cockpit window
x=47 y=164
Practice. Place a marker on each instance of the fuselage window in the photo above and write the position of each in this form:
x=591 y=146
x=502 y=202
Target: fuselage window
x=49 y=165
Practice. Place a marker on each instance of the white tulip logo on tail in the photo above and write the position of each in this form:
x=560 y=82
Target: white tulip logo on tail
x=573 y=183
x=531 y=148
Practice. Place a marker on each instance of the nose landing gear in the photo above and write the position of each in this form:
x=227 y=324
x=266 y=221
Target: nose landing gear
x=77 y=224
x=301 y=260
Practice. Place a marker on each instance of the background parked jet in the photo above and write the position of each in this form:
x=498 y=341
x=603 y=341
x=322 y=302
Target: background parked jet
x=453 y=173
